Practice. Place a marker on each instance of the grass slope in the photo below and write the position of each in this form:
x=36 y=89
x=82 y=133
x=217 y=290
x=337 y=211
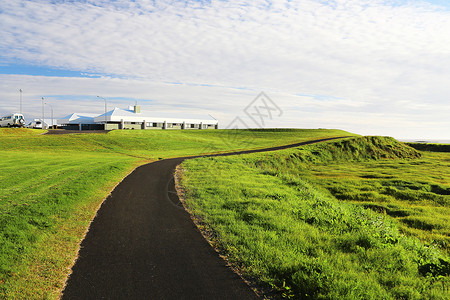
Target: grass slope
x=155 y=144
x=52 y=185
x=280 y=225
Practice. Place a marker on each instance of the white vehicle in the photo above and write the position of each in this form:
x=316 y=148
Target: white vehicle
x=12 y=120
x=36 y=124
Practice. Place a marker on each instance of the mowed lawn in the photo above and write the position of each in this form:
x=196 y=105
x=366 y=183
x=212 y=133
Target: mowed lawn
x=155 y=144
x=46 y=202
x=360 y=218
x=52 y=185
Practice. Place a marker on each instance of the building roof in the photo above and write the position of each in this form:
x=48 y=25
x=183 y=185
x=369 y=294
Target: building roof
x=128 y=115
x=47 y=122
x=78 y=118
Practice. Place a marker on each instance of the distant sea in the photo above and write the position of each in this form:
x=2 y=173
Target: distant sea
x=425 y=141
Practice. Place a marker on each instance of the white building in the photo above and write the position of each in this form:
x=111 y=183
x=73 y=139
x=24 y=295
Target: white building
x=133 y=118
x=79 y=121
x=48 y=123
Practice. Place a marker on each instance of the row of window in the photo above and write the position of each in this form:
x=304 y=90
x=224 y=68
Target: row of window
x=16 y=117
x=170 y=125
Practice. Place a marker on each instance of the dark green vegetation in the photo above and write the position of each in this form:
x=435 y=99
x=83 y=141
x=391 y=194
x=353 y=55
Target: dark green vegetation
x=52 y=185
x=360 y=218
x=431 y=147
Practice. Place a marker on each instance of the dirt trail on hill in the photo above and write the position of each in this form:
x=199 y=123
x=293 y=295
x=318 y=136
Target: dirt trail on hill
x=143 y=245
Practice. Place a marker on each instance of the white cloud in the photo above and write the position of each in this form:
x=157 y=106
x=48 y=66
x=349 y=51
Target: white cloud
x=387 y=62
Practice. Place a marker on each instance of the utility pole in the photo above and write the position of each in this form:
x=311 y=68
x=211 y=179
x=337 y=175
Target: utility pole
x=43 y=115
x=51 y=107
x=20 y=90
x=105 y=110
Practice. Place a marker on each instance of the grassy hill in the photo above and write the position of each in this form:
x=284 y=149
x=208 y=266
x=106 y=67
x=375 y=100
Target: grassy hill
x=52 y=185
x=360 y=218
x=155 y=144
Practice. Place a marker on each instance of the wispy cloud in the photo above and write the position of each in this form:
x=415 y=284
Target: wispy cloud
x=376 y=58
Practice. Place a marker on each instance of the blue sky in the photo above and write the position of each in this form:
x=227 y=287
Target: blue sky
x=371 y=67
x=28 y=69
x=443 y=3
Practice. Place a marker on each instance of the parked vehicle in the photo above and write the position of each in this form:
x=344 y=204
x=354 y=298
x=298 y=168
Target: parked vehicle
x=35 y=124
x=12 y=120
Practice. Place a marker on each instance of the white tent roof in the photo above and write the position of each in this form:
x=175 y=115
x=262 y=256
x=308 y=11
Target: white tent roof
x=78 y=118
x=47 y=122
x=127 y=115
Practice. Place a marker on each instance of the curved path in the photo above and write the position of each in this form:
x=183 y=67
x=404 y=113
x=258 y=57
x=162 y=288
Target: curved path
x=143 y=245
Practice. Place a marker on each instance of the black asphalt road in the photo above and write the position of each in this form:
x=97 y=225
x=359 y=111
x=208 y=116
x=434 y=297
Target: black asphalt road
x=64 y=131
x=143 y=245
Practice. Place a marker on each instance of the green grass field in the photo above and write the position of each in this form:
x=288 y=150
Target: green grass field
x=52 y=185
x=155 y=144
x=360 y=218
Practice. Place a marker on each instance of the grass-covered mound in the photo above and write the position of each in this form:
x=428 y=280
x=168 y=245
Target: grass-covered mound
x=358 y=148
x=288 y=232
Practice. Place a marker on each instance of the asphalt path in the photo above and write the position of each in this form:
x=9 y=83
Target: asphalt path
x=142 y=244
x=65 y=131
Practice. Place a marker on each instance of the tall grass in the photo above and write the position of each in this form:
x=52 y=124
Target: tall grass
x=280 y=226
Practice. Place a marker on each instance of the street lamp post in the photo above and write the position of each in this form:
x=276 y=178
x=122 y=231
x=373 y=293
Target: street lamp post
x=43 y=115
x=51 y=108
x=105 y=110
x=20 y=90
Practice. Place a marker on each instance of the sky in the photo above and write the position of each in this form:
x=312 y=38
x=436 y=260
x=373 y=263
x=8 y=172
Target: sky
x=373 y=67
